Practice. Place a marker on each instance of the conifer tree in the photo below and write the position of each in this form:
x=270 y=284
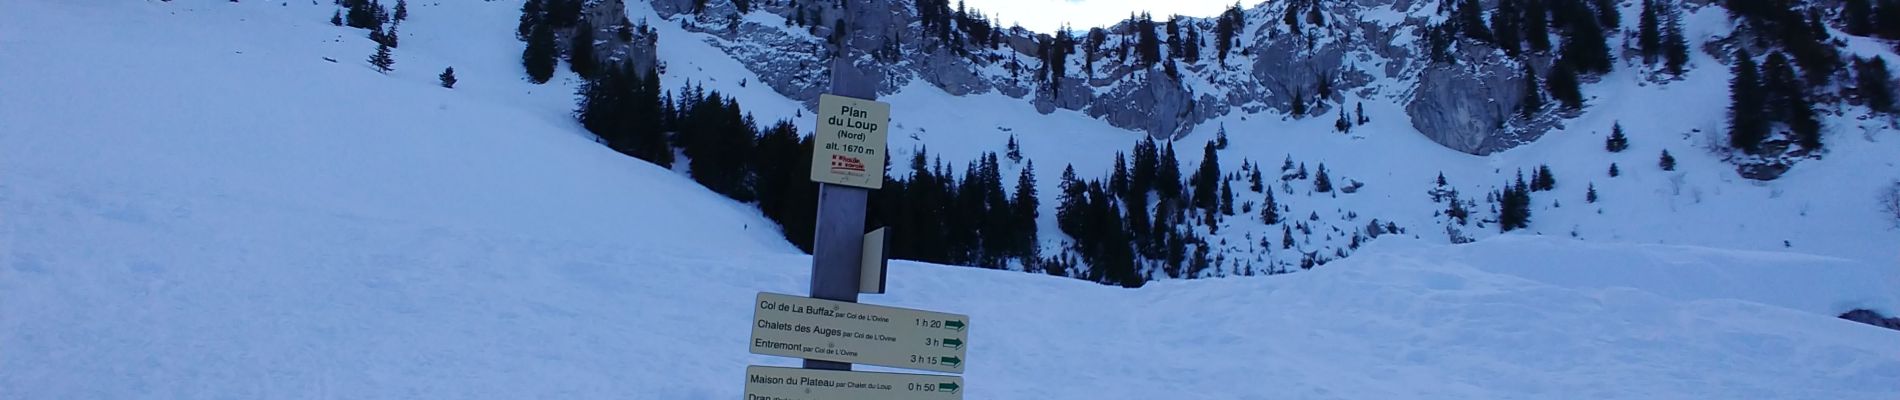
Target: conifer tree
x=1226 y=29
x=1321 y=182
x=1118 y=181
x=1207 y=180
x=539 y=58
x=392 y=38
x=1299 y=103
x=1533 y=98
x=1270 y=210
x=1168 y=177
x=1024 y=218
x=1258 y=185
x=1014 y=150
x=382 y=60
x=598 y=105
x=1747 y=125
x=1617 y=142
x=1343 y=125
x=1144 y=168
x=1220 y=137
x=1286 y=237
x=376 y=35
x=1887 y=20
x=1788 y=102
x=1361 y=110
x=1650 y=28
x=1591 y=195
x=1537 y=25
x=1471 y=19
x=1858 y=15
x=358 y=14
x=1514 y=203
x=1226 y=198
x=1667 y=162
x=1608 y=16
x=1584 y=47
x=448 y=77
x=1614 y=172
x=580 y=52
x=649 y=139
x=1504 y=22
x=533 y=12
x=1456 y=211
x=1173 y=29
x=1545 y=180
x=1875 y=84
x=1564 y=87
x=337 y=18
x=1675 y=49
x=402 y=10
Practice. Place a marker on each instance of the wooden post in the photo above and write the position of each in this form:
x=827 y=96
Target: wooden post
x=838 y=243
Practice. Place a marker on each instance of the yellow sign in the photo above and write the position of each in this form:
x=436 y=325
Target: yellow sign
x=773 y=383
x=849 y=144
x=818 y=329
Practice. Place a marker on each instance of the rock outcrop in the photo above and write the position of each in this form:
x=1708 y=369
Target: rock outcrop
x=1322 y=61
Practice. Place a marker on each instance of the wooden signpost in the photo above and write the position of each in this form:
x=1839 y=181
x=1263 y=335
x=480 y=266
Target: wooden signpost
x=772 y=383
x=829 y=330
x=819 y=329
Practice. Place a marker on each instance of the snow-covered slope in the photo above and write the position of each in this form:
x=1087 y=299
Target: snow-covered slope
x=194 y=204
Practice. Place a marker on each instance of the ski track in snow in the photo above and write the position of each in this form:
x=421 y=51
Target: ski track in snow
x=194 y=205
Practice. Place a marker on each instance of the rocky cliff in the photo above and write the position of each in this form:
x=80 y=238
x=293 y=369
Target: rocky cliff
x=1324 y=55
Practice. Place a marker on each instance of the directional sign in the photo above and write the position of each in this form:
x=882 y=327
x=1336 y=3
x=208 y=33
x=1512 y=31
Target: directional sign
x=818 y=329
x=849 y=143
x=772 y=383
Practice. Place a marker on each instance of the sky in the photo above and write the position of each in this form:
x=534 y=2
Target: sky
x=1048 y=15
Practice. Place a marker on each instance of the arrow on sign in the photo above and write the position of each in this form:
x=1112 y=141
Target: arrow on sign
x=950 y=361
x=948 y=387
x=953 y=325
x=952 y=343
